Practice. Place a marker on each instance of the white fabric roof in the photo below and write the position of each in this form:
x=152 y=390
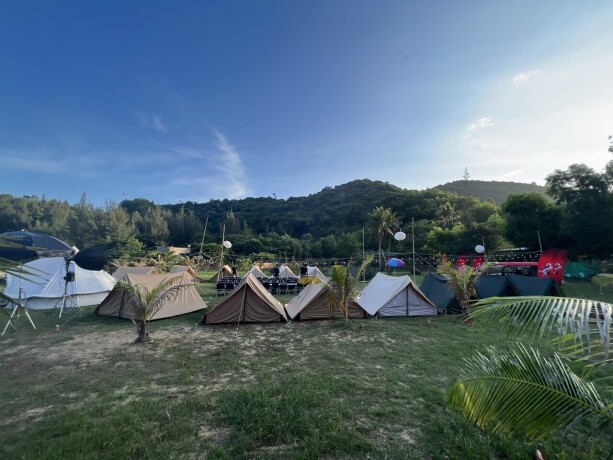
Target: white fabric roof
x=394 y=296
x=303 y=299
x=255 y=271
x=44 y=286
x=316 y=272
x=285 y=272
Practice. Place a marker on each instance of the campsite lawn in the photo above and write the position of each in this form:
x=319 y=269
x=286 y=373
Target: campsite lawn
x=361 y=389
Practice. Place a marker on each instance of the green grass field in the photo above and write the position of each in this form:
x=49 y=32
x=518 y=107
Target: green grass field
x=321 y=389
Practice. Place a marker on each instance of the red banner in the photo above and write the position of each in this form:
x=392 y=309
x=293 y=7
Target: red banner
x=477 y=263
x=551 y=264
x=461 y=263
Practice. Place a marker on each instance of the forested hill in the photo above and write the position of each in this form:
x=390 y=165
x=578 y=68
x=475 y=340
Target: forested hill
x=496 y=190
x=332 y=210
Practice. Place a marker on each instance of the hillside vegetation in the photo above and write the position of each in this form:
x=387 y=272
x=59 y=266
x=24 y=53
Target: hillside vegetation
x=497 y=191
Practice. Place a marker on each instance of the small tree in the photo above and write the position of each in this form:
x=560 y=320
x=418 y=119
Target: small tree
x=343 y=286
x=461 y=280
x=145 y=303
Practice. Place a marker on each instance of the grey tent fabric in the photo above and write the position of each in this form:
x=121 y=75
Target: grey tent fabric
x=436 y=288
x=248 y=302
x=493 y=286
x=530 y=285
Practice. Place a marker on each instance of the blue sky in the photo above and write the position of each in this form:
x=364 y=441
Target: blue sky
x=189 y=101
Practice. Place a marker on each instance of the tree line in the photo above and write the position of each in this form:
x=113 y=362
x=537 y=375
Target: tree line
x=337 y=222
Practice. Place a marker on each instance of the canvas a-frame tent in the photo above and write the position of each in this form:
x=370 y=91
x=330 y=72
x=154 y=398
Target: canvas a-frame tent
x=191 y=273
x=121 y=272
x=531 y=285
x=285 y=272
x=42 y=284
x=225 y=272
x=186 y=300
x=248 y=302
x=388 y=295
x=313 y=303
x=316 y=272
x=436 y=288
x=493 y=286
x=255 y=271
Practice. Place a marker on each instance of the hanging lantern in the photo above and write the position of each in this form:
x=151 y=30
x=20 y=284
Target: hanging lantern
x=399 y=235
x=227 y=244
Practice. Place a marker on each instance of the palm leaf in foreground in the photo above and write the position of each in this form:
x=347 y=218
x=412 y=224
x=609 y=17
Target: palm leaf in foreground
x=584 y=319
x=522 y=391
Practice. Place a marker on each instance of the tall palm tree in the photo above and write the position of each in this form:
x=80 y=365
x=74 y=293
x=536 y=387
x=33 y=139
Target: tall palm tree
x=343 y=286
x=145 y=303
x=524 y=391
x=382 y=224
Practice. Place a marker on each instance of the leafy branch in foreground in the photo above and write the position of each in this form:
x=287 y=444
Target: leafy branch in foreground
x=522 y=391
x=541 y=317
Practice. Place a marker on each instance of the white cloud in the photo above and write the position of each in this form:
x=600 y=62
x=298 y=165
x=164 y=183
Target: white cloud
x=561 y=118
x=157 y=123
x=484 y=122
x=523 y=77
x=153 y=121
x=229 y=181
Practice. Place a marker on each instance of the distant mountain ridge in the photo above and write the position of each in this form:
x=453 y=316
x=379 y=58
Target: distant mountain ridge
x=498 y=191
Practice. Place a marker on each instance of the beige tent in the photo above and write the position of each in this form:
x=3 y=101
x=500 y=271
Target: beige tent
x=191 y=273
x=255 y=271
x=225 y=272
x=185 y=300
x=248 y=302
x=285 y=272
x=121 y=272
x=313 y=303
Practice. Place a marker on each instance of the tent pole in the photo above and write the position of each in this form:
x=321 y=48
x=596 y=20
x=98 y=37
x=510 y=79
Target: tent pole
x=413 y=240
x=539 y=237
x=223 y=238
x=203 y=233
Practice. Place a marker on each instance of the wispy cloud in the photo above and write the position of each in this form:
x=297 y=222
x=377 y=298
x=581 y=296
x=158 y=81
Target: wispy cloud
x=40 y=162
x=228 y=178
x=511 y=174
x=470 y=129
x=151 y=121
x=523 y=77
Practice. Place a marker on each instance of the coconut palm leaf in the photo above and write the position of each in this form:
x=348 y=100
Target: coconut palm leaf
x=525 y=392
x=583 y=320
x=342 y=286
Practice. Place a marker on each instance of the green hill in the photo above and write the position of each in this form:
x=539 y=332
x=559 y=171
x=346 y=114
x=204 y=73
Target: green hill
x=497 y=191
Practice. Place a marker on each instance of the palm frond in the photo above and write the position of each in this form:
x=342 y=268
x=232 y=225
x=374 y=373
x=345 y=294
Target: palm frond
x=523 y=391
x=584 y=320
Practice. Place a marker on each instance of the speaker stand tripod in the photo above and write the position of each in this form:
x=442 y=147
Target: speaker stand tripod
x=17 y=307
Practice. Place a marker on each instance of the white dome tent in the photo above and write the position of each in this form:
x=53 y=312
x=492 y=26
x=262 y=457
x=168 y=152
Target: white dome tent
x=42 y=282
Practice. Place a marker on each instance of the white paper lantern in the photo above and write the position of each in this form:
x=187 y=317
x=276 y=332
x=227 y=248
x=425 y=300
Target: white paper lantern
x=400 y=235
x=227 y=244
x=479 y=249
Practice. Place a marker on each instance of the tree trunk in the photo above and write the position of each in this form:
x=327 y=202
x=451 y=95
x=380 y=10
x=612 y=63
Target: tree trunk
x=141 y=330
